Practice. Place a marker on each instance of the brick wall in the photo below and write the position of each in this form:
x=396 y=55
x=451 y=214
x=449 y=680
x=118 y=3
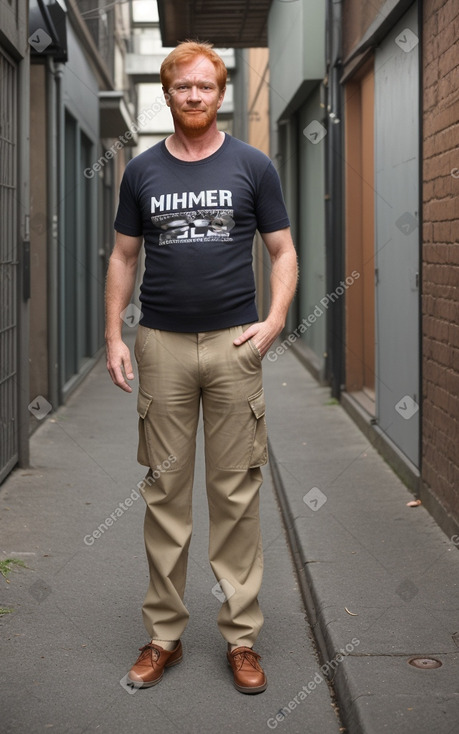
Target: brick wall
x=440 y=267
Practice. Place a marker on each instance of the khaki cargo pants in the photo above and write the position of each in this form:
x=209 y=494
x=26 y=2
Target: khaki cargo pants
x=176 y=372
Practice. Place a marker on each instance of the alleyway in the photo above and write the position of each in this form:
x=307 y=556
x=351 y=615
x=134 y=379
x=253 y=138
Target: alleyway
x=380 y=581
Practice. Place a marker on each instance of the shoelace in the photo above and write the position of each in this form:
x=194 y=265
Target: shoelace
x=151 y=651
x=250 y=656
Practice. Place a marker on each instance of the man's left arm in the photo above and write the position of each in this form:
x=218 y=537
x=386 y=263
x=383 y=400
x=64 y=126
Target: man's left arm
x=284 y=276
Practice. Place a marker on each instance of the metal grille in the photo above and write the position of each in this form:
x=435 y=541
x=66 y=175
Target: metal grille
x=227 y=23
x=8 y=268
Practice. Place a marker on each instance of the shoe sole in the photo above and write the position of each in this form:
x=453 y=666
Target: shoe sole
x=259 y=689
x=244 y=689
x=149 y=684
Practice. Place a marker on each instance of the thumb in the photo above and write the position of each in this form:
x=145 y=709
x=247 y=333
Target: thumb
x=245 y=336
x=127 y=364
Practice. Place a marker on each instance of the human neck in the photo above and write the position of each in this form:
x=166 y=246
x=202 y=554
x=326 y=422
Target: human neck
x=195 y=146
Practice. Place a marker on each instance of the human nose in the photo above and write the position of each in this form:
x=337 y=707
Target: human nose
x=194 y=94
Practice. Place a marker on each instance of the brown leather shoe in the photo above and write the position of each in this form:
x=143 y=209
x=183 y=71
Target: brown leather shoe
x=249 y=676
x=149 y=667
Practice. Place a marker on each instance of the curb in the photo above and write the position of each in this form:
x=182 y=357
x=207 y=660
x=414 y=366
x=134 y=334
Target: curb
x=348 y=714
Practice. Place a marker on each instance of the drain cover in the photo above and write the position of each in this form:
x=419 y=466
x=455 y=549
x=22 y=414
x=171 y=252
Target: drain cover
x=426 y=663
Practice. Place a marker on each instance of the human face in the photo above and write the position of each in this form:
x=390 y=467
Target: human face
x=194 y=96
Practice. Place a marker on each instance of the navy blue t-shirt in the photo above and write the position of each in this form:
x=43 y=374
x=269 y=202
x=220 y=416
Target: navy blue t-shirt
x=198 y=220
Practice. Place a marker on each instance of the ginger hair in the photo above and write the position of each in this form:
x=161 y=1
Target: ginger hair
x=185 y=52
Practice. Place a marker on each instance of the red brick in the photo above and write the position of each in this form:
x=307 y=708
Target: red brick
x=430 y=28
x=447 y=139
x=441 y=233
x=427 y=228
x=446 y=39
x=430 y=75
x=431 y=474
x=443 y=275
x=440 y=210
x=433 y=372
x=441 y=398
x=443 y=118
x=447 y=89
x=454 y=311
x=430 y=97
x=453 y=411
x=438 y=351
x=435 y=289
x=431 y=7
x=435 y=328
x=436 y=253
x=443 y=309
x=453 y=474
x=440 y=165
x=452 y=382
x=428 y=305
x=428 y=147
x=446 y=14
x=447 y=61
x=453 y=335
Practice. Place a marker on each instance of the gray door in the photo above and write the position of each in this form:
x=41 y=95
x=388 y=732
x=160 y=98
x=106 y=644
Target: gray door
x=397 y=235
x=8 y=267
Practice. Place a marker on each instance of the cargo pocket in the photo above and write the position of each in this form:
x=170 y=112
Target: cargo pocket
x=143 y=404
x=259 y=454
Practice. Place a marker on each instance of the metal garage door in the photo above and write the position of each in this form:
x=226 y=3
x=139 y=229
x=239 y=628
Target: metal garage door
x=397 y=234
x=8 y=267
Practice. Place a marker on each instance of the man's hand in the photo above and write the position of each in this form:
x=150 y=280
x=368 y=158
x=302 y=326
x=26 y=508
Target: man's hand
x=263 y=334
x=284 y=274
x=119 y=364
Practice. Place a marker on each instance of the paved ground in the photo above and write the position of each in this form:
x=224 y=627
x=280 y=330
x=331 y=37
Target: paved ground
x=358 y=547
x=380 y=580
x=76 y=624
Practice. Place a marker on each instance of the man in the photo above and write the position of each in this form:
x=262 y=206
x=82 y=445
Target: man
x=196 y=200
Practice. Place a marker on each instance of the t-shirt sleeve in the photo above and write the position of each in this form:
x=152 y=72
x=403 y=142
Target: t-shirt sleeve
x=270 y=206
x=128 y=218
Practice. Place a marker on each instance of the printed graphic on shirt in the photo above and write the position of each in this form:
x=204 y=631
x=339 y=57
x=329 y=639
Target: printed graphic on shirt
x=179 y=223
x=204 y=225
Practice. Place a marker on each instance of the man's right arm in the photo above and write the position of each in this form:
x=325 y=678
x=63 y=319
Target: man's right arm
x=119 y=286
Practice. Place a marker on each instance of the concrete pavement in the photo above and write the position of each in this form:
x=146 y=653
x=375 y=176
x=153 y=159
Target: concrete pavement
x=371 y=569
x=76 y=623
x=380 y=582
